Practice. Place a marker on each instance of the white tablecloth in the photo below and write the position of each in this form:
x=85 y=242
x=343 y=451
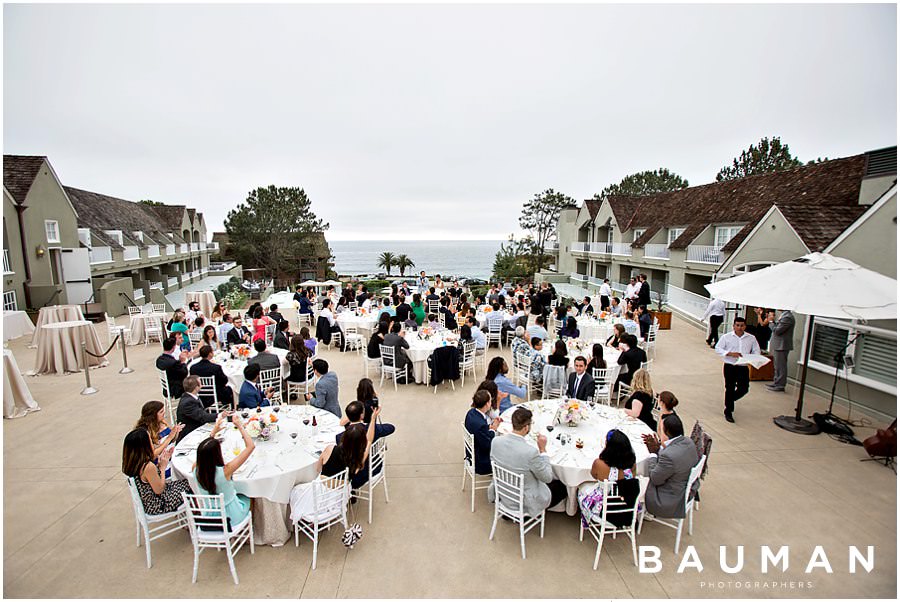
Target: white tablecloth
x=234 y=369
x=137 y=322
x=283 y=299
x=17 y=399
x=206 y=299
x=364 y=324
x=16 y=324
x=571 y=465
x=274 y=467
x=55 y=313
x=59 y=347
x=420 y=349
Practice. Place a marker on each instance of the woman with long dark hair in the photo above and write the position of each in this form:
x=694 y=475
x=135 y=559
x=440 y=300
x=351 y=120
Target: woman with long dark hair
x=616 y=463
x=570 y=330
x=298 y=359
x=351 y=454
x=214 y=475
x=309 y=341
x=373 y=349
x=597 y=359
x=153 y=420
x=497 y=371
x=365 y=394
x=560 y=356
x=158 y=496
x=496 y=397
x=209 y=337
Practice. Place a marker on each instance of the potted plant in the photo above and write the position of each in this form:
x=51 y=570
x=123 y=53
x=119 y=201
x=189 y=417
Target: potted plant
x=661 y=313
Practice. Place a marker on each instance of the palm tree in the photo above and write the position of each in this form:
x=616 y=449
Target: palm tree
x=404 y=263
x=387 y=261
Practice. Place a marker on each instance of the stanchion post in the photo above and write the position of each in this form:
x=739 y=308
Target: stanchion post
x=88 y=389
x=125 y=369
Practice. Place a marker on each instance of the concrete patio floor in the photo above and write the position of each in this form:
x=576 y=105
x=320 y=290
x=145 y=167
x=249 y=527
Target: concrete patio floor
x=69 y=529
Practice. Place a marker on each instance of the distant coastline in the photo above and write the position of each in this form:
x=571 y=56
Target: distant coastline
x=469 y=258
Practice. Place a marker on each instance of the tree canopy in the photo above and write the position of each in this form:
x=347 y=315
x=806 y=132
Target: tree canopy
x=540 y=218
x=644 y=183
x=274 y=228
x=512 y=260
x=387 y=260
x=765 y=157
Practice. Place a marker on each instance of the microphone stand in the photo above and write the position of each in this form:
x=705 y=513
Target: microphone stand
x=838 y=365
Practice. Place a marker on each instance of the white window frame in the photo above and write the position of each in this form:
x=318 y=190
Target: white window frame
x=853 y=328
x=55 y=224
x=10 y=303
x=638 y=232
x=733 y=229
x=116 y=235
x=676 y=232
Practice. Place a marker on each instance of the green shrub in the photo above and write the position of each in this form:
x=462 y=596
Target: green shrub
x=376 y=285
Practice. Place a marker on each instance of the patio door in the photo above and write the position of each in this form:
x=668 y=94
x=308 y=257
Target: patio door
x=76 y=275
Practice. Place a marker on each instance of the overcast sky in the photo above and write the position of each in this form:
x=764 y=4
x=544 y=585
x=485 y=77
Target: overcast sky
x=432 y=121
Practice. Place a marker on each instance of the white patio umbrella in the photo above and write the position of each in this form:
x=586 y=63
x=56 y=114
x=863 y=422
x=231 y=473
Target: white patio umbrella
x=332 y=283
x=311 y=283
x=817 y=284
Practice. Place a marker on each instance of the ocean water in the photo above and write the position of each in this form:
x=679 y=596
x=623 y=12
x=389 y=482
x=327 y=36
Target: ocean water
x=462 y=258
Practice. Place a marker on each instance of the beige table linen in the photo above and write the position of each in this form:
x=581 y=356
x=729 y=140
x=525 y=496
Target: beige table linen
x=206 y=299
x=55 y=313
x=17 y=399
x=16 y=324
x=138 y=321
x=59 y=347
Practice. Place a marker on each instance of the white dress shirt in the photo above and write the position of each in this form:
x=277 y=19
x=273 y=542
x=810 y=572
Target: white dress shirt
x=326 y=313
x=630 y=291
x=745 y=345
x=605 y=290
x=716 y=307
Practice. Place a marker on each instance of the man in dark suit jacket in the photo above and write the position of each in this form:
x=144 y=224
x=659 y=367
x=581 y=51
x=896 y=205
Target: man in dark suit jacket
x=403 y=310
x=581 y=384
x=670 y=470
x=477 y=425
x=191 y=412
x=275 y=314
x=239 y=335
x=205 y=367
x=173 y=363
x=282 y=336
x=644 y=292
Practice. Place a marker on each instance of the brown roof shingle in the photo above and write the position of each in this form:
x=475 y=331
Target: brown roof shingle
x=101 y=212
x=19 y=172
x=819 y=225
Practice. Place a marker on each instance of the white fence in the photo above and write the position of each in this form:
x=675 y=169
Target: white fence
x=705 y=254
x=152 y=250
x=170 y=249
x=580 y=247
x=156 y=285
x=195 y=246
x=9 y=301
x=100 y=255
x=656 y=251
x=173 y=282
x=184 y=248
x=687 y=302
x=132 y=253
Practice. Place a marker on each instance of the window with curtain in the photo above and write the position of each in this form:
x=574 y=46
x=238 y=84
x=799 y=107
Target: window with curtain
x=726 y=233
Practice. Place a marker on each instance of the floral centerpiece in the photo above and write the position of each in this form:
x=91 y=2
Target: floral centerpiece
x=262 y=428
x=576 y=344
x=425 y=332
x=571 y=412
x=240 y=352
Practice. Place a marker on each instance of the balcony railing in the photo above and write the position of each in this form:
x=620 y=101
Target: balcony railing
x=687 y=302
x=202 y=246
x=580 y=247
x=7 y=266
x=100 y=255
x=173 y=282
x=595 y=281
x=153 y=251
x=156 y=285
x=578 y=278
x=214 y=246
x=184 y=247
x=620 y=248
x=705 y=254
x=9 y=301
x=656 y=251
x=195 y=246
x=551 y=247
x=170 y=249
x=132 y=253
x=203 y=271
x=138 y=294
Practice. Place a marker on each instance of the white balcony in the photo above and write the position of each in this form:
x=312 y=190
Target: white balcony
x=705 y=254
x=580 y=247
x=620 y=248
x=138 y=294
x=551 y=247
x=173 y=282
x=203 y=271
x=170 y=249
x=202 y=246
x=184 y=248
x=214 y=246
x=156 y=286
x=195 y=246
x=690 y=303
x=656 y=251
x=7 y=266
x=221 y=267
x=132 y=253
x=578 y=278
x=100 y=255
x=595 y=281
x=152 y=250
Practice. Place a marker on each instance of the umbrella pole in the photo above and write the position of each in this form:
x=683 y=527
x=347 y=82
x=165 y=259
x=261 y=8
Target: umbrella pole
x=796 y=423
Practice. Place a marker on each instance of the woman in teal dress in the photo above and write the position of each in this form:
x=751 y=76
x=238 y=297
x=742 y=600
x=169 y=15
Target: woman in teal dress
x=214 y=475
x=418 y=309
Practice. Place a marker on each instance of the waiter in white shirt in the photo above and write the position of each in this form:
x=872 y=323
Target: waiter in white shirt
x=732 y=346
x=605 y=294
x=715 y=311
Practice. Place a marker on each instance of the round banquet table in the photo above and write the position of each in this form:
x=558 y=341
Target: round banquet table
x=55 y=313
x=16 y=324
x=571 y=465
x=59 y=347
x=17 y=399
x=420 y=349
x=206 y=299
x=234 y=369
x=364 y=324
x=273 y=468
x=137 y=322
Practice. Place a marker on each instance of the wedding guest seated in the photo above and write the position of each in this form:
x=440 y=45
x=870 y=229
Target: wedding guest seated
x=373 y=349
x=282 y=339
x=617 y=464
x=365 y=393
x=640 y=404
x=519 y=344
x=538 y=361
x=477 y=336
x=325 y=396
x=597 y=359
x=616 y=337
x=418 y=309
x=250 y=396
x=432 y=296
x=224 y=328
x=496 y=397
x=266 y=360
x=302 y=299
x=497 y=371
x=298 y=358
x=172 y=361
x=206 y=367
x=562 y=312
x=482 y=430
x=354 y=413
x=570 y=330
x=403 y=309
x=538 y=329
x=239 y=334
x=397 y=339
x=667 y=403
x=209 y=337
x=386 y=308
x=191 y=412
x=327 y=320
x=560 y=356
x=193 y=311
x=197 y=324
x=432 y=322
x=410 y=322
x=153 y=420
x=631 y=327
x=351 y=454
x=645 y=320
x=158 y=496
x=615 y=307
x=585 y=307
x=580 y=384
x=213 y=474
x=274 y=314
x=309 y=341
x=518 y=455
x=672 y=456
x=632 y=356
x=449 y=316
x=494 y=318
x=218 y=312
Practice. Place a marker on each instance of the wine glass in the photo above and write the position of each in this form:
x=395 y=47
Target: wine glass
x=276 y=409
x=294 y=437
x=259 y=409
x=549 y=428
x=245 y=414
x=306 y=422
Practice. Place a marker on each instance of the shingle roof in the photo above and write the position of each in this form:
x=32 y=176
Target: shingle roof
x=101 y=212
x=818 y=226
x=593 y=206
x=19 y=172
x=744 y=201
x=170 y=216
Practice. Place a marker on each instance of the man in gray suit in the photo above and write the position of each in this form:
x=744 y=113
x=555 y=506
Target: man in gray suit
x=326 y=395
x=265 y=359
x=670 y=470
x=514 y=453
x=781 y=345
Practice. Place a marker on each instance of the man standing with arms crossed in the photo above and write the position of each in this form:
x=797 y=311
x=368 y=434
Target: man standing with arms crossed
x=781 y=345
x=732 y=346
